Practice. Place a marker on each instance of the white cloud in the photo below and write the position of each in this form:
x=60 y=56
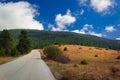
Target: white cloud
x=82 y=2
x=64 y=20
x=102 y=5
x=53 y=28
x=78 y=31
x=87 y=30
x=95 y=34
x=82 y=12
x=117 y=38
x=84 y=30
x=110 y=28
x=18 y=15
x=89 y=33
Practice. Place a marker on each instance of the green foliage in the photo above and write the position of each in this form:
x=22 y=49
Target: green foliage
x=2 y=52
x=65 y=49
x=118 y=57
x=84 y=62
x=40 y=39
x=24 y=43
x=52 y=52
x=6 y=41
x=15 y=52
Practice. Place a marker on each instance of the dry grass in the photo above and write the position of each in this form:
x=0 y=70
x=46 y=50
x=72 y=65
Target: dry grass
x=98 y=68
x=4 y=60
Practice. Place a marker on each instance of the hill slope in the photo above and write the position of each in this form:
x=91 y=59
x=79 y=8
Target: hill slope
x=40 y=39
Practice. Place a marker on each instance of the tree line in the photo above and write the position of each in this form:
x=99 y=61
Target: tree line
x=8 y=47
x=40 y=39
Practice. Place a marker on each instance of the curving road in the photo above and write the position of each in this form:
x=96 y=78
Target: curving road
x=28 y=67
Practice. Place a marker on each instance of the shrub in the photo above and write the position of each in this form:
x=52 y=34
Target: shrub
x=80 y=48
x=114 y=69
x=90 y=48
x=52 y=52
x=75 y=65
x=84 y=62
x=65 y=49
x=14 y=52
x=107 y=48
x=96 y=55
x=2 y=52
x=59 y=45
x=118 y=57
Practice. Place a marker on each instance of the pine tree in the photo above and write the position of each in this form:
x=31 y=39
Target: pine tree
x=24 y=43
x=6 y=42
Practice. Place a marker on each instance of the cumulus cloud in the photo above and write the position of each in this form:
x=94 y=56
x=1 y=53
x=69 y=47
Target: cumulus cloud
x=102 y=5
x=18 y=15
x=117 y=38
x=64 y=20
x=110 y=28
x=53 y=28
x=87 y=29
x=95 y=34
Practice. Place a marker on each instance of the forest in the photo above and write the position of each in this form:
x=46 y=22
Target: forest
x=40 y=39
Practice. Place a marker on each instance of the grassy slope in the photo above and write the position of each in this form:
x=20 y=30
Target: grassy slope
x=98 y=68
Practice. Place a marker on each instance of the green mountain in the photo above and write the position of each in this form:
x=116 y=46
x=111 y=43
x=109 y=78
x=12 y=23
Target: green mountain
x=39 y=39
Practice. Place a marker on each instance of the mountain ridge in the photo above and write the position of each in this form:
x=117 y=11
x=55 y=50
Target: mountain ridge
x=41 y=38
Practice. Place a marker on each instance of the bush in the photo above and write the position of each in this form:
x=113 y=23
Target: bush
x=84 y=62
x=114 y=69
x=65 y=49
x=107 y=48
x=96 y=55
x=52 y=52
x=75 y=65
x=118 y=57
x=90 y=48
x=2 y=52
x=14 y=52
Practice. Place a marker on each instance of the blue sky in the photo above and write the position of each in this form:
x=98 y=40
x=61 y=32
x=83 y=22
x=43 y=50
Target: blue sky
x=94 y=17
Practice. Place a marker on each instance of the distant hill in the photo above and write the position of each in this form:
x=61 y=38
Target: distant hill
x=39 y=39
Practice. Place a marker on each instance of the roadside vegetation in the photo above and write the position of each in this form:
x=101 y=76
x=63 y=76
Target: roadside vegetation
x=8 y=47
x=54 y=53
x=86 y=64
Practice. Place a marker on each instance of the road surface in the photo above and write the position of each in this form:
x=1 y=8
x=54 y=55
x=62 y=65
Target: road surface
x=28 y=67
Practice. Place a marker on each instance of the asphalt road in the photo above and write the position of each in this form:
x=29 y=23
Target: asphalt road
x=28 y=67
